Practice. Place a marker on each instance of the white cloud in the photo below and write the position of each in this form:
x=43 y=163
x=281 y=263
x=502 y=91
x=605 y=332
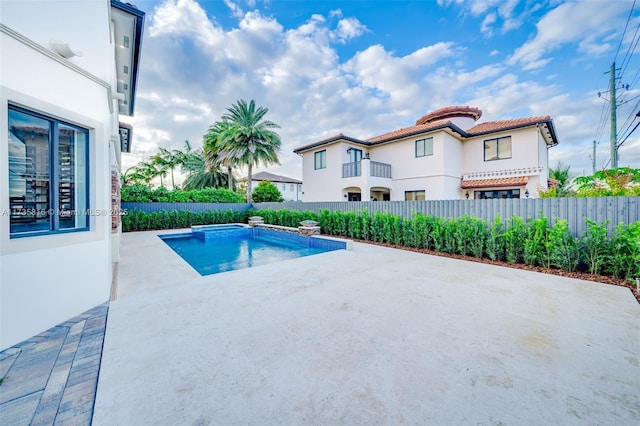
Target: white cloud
x=235 y=9
x=348 y=28
x=489 y=20
x=582 y=22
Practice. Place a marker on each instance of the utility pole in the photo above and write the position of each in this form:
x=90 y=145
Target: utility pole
x=614 y=128
x=594 y=157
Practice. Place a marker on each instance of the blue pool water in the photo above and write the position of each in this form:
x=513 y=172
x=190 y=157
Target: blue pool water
x=221 y=249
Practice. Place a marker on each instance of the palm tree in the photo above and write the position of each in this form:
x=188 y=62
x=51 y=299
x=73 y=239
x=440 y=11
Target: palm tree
x=213 y=152
x=563 y=179
x=167 y=160
x=150 y=170
x=202 y=175
x=249 y=139
x=188 y=160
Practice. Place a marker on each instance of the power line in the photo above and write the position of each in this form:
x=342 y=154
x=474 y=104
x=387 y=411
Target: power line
x=632 y=130
x=630 y=51
x=625 y=30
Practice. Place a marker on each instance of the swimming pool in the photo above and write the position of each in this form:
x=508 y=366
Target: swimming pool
x=215 y=249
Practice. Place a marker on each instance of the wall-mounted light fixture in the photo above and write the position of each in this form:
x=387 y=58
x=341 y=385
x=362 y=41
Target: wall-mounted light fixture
x=367 y=156
x=345 y=195
x=63 y=49
x=526 y=193
x=466 y=195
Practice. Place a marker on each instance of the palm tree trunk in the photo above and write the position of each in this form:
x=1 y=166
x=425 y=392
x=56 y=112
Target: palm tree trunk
x=173 y=183
x=249 y=177
x=230 y=178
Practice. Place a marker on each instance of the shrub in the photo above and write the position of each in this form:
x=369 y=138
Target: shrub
x=266 y=192
x=495 y=245
x=596 y=245
x=144 y=194
x=172 y=219
x=564 y=249
x=513 y=240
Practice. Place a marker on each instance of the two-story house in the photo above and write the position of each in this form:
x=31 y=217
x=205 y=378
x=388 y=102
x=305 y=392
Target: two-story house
x=445 y=155
x=290 y=188
x=68 y=70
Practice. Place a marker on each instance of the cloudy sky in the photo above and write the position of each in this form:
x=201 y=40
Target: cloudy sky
x=365 y=68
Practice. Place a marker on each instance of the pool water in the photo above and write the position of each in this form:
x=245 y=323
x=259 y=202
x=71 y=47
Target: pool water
x=221 y=250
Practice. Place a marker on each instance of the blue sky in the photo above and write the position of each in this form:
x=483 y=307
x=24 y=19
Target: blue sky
x=365 y=68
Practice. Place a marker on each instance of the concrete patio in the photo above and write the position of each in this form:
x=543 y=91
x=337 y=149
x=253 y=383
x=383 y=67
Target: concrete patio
x=367 y=336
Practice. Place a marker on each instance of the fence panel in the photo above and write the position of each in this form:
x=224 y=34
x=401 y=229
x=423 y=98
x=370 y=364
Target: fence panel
x=575 y=210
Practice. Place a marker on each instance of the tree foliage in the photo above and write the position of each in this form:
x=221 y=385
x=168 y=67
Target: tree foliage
x=622 y=181
x=266 y=192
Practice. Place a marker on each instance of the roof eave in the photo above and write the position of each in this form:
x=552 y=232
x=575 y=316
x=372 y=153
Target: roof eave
x=548 y=122
x=138 y=16
x=328 y=142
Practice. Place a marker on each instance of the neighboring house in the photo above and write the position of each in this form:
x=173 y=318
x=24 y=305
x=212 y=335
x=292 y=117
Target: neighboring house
x=68 y=70
x=291 y=189
x=445 y=155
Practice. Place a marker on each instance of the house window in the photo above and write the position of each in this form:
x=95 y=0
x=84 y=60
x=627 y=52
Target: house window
x=320 y=160
x=48 y=174
x=497 y=149
x=424 y=147
x=495 y=194
x=284 y=186
x=291 y=187
x=414 y=195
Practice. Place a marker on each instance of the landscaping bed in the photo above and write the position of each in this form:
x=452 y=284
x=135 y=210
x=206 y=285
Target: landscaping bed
x=603 y=279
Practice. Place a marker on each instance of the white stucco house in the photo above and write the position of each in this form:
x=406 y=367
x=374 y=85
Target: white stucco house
x=445 y=155
x=290 y=188
x=68 y=71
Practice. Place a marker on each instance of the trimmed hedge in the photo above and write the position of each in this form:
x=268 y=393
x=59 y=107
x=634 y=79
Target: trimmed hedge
x=143 y=194
x=173 y=219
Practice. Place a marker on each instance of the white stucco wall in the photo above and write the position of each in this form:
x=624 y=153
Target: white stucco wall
x=524 y=151
x=47 y=279
x=84 y=25
x=323 y=184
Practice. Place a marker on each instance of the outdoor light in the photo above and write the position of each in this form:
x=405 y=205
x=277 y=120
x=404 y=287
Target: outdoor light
x=367 y=154
x=63 y=49
x=466 y=195
x=526 y=193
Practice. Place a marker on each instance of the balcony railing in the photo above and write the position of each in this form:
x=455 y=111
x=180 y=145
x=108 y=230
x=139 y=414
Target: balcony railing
x=351 y=169
x=376 y=169
x=382 y=170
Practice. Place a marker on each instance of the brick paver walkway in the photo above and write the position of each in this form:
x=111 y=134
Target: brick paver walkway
x=52 y=377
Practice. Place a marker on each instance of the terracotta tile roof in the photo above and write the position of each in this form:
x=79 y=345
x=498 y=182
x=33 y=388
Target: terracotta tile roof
x=494 y=126
x=451 y=111
x=409 y=131
x=495 y=183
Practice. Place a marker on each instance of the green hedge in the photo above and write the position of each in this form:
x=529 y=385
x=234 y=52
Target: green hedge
x=173 y=219
x=536 y=242
x=143 y=194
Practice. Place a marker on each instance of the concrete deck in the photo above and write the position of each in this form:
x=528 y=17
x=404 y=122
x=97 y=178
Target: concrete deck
x=367 y=336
